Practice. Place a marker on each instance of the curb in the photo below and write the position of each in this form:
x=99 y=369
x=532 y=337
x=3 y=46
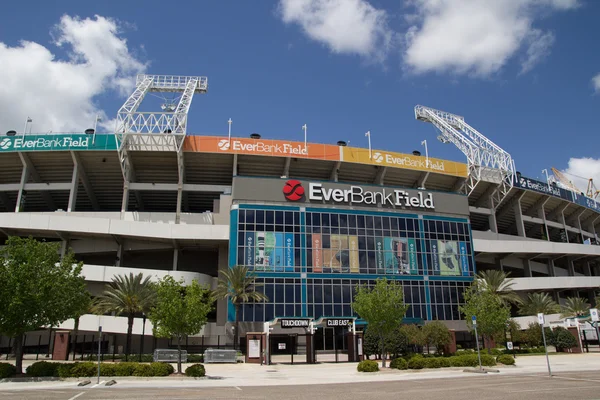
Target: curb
x=31 y=379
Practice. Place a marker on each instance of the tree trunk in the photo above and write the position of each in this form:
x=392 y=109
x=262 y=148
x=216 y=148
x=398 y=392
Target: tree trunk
x=382 y=352
x=19 y=353
x=75 y=332
x=129 y=334
x=178 y=354
x=237 y=326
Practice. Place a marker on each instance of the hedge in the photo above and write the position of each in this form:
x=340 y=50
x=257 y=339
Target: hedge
x=505 y=359
x=399 y=363
x=88 y=369
x=7 y=370
x=43 y=368
x=367 y=366
x=416 y=363
x=196 y=371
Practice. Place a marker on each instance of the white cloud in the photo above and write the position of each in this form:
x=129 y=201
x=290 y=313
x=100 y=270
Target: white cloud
x=344 y=26
x=477 y=36
x=579 y=170
x=596 y=83
x=59 y=94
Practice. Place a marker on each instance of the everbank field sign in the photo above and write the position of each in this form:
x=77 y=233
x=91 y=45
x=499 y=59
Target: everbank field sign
x=306 y=193
x=58 y=142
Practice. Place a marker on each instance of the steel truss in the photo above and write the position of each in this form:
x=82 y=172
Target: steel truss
x=486 y=161
x=156 y=131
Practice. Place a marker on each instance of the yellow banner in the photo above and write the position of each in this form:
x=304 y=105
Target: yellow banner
x=400 y=160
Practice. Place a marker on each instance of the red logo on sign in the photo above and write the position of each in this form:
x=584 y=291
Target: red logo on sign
x=293 y=190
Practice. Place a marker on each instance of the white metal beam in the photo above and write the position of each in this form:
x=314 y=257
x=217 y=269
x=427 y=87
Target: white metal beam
x=420 y=183
x=286 y=166
x=380 y=175
x=333 y=176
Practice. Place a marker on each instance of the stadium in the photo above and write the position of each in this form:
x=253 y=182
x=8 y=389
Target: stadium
x=312 y=221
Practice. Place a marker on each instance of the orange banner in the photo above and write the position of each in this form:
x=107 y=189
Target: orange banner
x=400 y=160
x=261 y=147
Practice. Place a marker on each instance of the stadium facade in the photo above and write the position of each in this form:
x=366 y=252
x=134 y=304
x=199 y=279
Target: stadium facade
x=313 y=221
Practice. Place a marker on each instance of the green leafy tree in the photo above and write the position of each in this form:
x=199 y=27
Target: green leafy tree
x=239 y=285
x=562 y=339
x=499 y=283
x=414 y=334
x=127 y=295
x=397 y=343
x=179 y=310
x=491 y=311
x=37 y=288
x=575 y=307
x=538 y=303
x=382 y=306
x=437 y=334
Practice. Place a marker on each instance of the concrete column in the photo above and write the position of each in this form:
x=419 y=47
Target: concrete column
x=64 y=246
x=492 y=217
x=551 y=267
x=527 y=268
x=519 y=219
x=119 y=260
x=235 y=164
x=571 y=267
x=178 y=204
x=564 y=224
x=21 y=194
x=542 y=215
x=499 y=263
x=587 y=268
x=175 y=259
x=74 y=189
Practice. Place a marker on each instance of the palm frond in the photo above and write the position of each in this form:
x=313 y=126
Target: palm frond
x=500 y=283
x=538 y=303
x=126 y=295
x=239 y=285
x=574 y=307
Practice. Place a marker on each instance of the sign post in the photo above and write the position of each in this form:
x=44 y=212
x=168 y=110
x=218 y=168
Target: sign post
x=541 y=322
x=474 y=322
x=99 y=350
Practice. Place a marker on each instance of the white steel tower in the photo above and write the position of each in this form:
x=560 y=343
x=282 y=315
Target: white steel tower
x=486 y=161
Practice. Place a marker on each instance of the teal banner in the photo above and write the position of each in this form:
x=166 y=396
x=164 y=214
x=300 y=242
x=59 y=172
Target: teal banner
x=58 y=142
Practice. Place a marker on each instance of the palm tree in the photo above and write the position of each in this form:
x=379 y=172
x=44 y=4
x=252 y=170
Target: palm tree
x=498 y=282
x=538 y=303
x=127 y=295
x=238 y=285
x=574 y=307
x=85 y=307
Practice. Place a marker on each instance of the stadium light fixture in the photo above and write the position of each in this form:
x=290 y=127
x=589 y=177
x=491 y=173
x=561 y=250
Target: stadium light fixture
x=98 y=118
x=368 y=135
x=27 y=121
x=545 y=171
x=304 y=127
x=229 y=122
x=424 y=143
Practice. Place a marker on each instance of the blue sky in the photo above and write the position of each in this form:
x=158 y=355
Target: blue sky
x=273 y=67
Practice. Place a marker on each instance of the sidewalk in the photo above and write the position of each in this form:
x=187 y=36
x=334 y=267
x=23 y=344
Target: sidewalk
x=232 y=375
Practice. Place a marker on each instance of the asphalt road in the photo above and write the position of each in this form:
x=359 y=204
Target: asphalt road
x=579 y=385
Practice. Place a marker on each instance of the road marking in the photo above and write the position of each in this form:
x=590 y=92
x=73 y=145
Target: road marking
x=576 y=379
x=98 y=384
x=564 y=388
x=76 y=396
x=238 y=388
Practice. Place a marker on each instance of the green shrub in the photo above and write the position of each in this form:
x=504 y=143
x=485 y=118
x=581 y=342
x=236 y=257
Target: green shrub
x=197 y=370
x=505 y=359
x=83 y=369
x=43 y=368
x=142 y=370
x=433 y=362
x=399 y=363
x=161 y=369
x=125 y=368
x=367 y=366
x=108 y=369
x=7 y=370
x=416 y=363
x=444 y=362
x=496 y=352
x=64 y=370
x=487 y=360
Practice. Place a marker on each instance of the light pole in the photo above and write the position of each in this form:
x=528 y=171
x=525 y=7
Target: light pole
x=27 y=121
x=368 y=135
x=229 y=122
x=424 y=143
x=545 y=171
x=98 y=118
x=304 y=128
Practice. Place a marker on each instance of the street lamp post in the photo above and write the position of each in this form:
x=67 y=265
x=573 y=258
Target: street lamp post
x=368 y=135
x=98 y=118
x=545 y=171
x=304 y=128
x=27 y=121
x=229 y=122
